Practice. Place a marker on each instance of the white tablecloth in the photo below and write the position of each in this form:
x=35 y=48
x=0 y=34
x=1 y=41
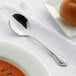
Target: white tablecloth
x=52 y=39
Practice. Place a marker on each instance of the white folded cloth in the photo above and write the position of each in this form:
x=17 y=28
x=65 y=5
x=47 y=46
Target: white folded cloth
x=47 y=35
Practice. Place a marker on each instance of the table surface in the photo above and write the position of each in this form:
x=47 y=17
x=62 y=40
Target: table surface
x=53 y=40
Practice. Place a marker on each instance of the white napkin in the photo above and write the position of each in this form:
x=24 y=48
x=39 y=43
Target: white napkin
x=39 y=26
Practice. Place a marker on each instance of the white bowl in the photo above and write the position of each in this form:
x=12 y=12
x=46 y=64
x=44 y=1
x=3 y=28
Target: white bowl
x=31 y=65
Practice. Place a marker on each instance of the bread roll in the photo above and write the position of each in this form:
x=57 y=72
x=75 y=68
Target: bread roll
x=67 y=11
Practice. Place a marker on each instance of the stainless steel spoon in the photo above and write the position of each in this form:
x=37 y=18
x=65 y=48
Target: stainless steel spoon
x=18 y=23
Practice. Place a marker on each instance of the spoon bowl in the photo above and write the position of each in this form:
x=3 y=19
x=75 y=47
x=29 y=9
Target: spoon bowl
x=18 y=28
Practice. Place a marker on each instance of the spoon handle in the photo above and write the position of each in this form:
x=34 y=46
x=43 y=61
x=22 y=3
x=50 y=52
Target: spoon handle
x=59 y=59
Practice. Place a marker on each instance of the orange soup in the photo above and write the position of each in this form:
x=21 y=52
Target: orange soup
x=7 y=69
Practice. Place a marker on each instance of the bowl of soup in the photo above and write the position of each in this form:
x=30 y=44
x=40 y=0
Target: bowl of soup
x=17 y=61
x=8 y=69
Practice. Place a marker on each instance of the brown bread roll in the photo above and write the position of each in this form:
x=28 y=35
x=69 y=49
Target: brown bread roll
x=67 y=11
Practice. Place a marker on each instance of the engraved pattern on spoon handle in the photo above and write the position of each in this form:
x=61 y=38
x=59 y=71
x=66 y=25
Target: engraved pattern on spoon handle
x=59 y=59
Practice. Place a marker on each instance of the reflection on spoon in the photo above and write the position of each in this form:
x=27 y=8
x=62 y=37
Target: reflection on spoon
x=18 y=23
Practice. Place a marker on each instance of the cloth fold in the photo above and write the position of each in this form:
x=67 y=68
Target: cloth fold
x=36 y=22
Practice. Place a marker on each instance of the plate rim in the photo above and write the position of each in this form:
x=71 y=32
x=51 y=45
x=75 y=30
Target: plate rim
x=28 y=52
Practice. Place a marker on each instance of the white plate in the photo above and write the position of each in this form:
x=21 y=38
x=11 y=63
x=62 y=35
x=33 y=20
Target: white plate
x=53 y=8
x=27 y=61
